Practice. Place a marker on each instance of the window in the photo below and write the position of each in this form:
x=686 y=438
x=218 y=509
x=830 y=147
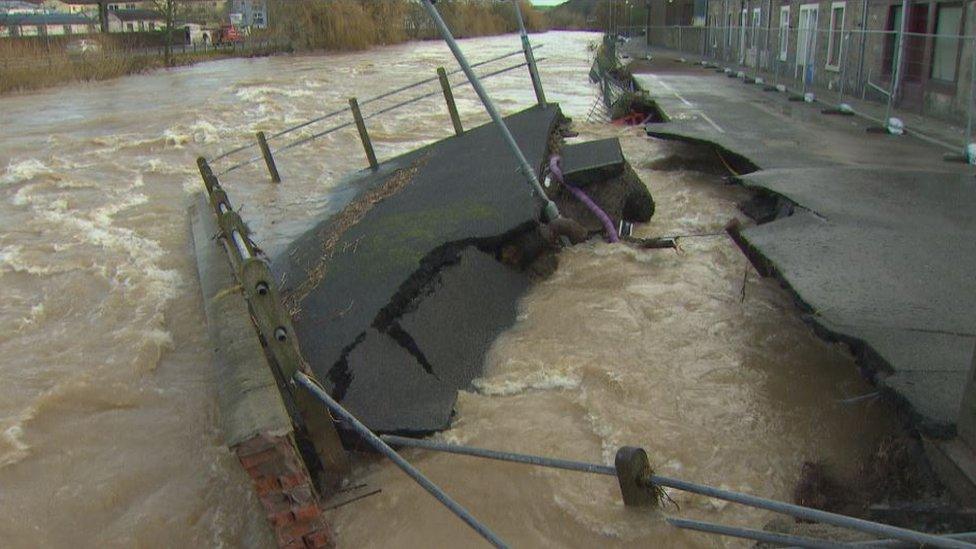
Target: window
x=945 y=54
x=806 y=37
x=835 y=44
x=130 y=27
x=756 y=23
x=784 y=33
x=142 y=25
x=891 y=39
x=728 y=32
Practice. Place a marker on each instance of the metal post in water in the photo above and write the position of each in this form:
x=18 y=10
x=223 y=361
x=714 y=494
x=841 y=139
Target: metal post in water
x=845 y=47
x=540 y=94
x=363 y=134
x=550 y=211
x=268 y=158
x=896 y=77
x=971 y=155
x=449 y=98
x=384 y=449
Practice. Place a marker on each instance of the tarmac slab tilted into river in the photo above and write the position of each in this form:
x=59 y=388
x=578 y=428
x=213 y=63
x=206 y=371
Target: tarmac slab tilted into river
x=396 y=301
x=873 y=232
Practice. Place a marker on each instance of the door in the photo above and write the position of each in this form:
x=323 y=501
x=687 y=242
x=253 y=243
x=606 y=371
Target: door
x=806 y=47
x=743 y=28
x=755 y=37
x=915 y=67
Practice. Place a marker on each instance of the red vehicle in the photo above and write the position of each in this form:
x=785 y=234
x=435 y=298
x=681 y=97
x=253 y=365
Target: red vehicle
x=229 y=34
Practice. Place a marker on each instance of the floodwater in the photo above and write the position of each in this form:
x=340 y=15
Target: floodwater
x=109 y=434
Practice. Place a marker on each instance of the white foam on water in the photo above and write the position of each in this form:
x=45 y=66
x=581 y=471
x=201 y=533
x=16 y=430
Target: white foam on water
x=24 y=170
x=518 y=382
x=12 y=446
x=259 y=94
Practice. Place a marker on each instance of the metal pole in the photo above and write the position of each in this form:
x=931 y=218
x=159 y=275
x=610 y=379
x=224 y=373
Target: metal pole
x=363 y=134
x=797 y=511
x=896 y=79
x=806 y=62
x=972 y=104
x=844 y=49
x=449 y=98
x=268 y=159
x=748 y=533
x=412 y=472
x=540 y=95
x=551 y=212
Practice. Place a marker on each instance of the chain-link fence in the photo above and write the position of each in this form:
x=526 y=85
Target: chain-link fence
x=926 y=81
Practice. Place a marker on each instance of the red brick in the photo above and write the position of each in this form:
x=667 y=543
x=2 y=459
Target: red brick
x=300 y=494
x=306 y=512
x=319 y=539
x=292 y=480
x=253 y=460
x=281 y=518
x=266 y=485
x=253 y=445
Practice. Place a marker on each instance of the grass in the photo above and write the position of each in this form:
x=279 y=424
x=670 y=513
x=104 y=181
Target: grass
x=31 y=65
x=329 y=25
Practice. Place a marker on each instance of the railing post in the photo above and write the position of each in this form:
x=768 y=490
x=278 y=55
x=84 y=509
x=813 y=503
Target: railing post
x=969 y=147
x=540 y=95
x=550 y=211
x=449 y=98
x=268 y=159
x=363 y=134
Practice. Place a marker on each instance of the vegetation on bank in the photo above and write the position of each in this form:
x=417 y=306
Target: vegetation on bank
x=331 y=25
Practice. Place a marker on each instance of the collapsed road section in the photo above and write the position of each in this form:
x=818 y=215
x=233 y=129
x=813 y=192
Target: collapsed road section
x=396 y=299
x=875 y=245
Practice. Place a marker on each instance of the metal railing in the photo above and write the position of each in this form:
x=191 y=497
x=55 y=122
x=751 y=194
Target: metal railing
x=926 y=81
x=269 y=153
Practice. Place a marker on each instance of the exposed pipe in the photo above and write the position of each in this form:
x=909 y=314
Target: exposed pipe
x=556 y=169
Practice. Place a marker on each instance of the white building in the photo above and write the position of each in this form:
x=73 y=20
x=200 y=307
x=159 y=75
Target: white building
x=251 y=13
x=44 y=24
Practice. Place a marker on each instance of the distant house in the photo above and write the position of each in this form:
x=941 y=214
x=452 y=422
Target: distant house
x=44 y=24
x=126 y=21
x=249 y=13
x=19 y=6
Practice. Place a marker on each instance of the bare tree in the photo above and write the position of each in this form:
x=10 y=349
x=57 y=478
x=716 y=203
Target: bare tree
x=168 y=9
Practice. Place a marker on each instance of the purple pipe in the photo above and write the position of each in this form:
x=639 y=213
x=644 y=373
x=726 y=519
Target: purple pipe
x=556 y=169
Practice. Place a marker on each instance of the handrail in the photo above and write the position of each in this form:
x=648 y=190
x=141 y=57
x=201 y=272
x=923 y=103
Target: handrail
x=380 y=446
x=364 y=102
x=344 y=125
x=798 y=511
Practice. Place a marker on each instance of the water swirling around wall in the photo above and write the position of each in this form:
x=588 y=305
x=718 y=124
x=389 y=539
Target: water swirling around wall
x=109 y=434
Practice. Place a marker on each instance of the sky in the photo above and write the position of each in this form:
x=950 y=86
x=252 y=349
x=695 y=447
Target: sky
x=547 y=2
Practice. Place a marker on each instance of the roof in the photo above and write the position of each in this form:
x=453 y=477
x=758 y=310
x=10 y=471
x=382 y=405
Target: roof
x=16 y=19
x=136 y=15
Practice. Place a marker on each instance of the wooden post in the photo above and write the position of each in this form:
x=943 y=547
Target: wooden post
x=268 y=159
x=363 y=134
x=449 y=97
x=633 y=473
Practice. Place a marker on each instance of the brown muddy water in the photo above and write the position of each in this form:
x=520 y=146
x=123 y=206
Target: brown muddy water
x=109 y=434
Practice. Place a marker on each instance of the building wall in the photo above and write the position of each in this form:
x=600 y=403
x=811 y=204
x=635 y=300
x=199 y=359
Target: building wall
x=919 y=92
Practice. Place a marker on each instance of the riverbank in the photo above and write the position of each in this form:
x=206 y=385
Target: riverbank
x=334 y=26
